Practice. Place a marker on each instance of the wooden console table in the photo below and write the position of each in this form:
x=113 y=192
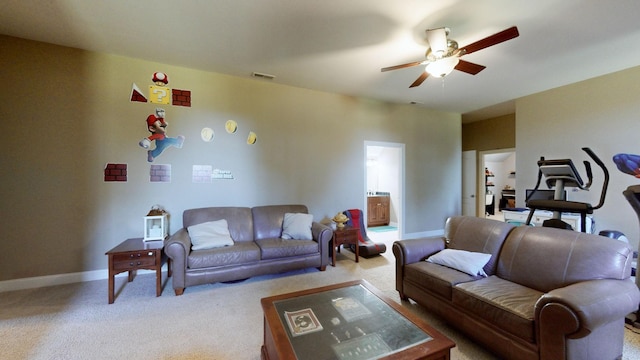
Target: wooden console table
x=134 y=254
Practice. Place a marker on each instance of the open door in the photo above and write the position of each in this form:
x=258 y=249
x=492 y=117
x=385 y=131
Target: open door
x=469 y=207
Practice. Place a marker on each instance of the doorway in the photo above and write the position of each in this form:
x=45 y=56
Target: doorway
x=497 y=184
x=384 y=174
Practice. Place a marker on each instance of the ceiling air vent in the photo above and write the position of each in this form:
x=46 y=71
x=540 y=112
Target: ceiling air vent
x=263 y=75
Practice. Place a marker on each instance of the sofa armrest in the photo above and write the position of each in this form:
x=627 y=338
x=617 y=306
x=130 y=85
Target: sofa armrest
x=577 y=310
x=412 y=251
x=594 y=302
x=177 y=247
x=322 y=234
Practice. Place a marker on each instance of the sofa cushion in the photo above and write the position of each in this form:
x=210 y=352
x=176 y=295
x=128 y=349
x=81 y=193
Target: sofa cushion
x=466 y=261
x=209 y=235
x=559 y=258
x=479 y=235
x=239 y=253
x=500 y=302
x=268 y=219
x=297 y=226
x=276 y=248
x=435 y=278
x=238 y=219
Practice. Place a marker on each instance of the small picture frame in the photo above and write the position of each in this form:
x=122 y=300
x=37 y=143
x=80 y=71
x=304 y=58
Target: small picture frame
x=302 y=322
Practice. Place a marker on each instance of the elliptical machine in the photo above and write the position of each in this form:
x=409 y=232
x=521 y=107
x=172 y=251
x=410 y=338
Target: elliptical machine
x=560 y=174
x=630 y=164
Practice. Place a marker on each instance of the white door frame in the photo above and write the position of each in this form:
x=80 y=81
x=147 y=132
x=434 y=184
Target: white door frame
x=400 y=176
x=481 y=179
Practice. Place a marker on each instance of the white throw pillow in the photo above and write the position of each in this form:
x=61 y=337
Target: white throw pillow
x=297 y=226
x=468 y=262
x=210 y=235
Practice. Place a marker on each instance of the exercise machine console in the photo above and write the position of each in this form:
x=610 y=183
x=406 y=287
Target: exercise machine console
x=560 y=174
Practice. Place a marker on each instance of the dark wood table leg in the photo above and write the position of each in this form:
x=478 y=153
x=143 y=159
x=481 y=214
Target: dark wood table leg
x=158 y=273
x=357 y=246
x=111 y=280
x=334 y=248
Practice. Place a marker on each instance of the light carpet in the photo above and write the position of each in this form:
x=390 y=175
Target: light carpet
x=219 y=321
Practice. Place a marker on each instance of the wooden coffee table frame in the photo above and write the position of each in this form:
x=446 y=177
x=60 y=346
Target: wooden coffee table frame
x=277 y=345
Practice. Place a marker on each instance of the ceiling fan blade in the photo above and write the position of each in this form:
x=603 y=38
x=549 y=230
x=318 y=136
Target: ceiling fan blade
x=469 y=67
x=494 y=39
x=402 y=66
x=420 y=79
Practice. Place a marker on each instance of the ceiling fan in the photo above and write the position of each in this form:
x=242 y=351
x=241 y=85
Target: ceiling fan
x=443 y=54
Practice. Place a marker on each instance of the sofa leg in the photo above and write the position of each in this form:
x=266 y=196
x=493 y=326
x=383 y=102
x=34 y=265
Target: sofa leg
x=179 y=291
x=322 y=268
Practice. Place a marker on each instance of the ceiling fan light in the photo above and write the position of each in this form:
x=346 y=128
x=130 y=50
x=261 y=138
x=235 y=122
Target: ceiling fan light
x=442 y=67
x=437 y=39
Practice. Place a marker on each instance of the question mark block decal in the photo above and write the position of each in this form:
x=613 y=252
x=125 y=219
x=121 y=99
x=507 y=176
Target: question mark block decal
x=159 y=94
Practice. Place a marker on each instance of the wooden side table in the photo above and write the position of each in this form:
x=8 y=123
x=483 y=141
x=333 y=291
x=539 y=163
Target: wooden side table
x=345 y=236
x=134 y=254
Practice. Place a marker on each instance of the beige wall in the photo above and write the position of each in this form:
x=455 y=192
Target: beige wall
x=66 y=113
x=490 y=134
x=601 y=113
x=486 y=135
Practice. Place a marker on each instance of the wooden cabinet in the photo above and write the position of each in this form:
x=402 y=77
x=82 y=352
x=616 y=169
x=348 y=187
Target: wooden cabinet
x=377 y=211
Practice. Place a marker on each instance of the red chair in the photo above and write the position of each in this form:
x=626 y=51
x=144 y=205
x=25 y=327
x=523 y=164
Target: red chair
x=367 y=248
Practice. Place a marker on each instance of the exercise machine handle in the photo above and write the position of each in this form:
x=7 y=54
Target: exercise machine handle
x=605 y=183
x=537 y=183
x=587 y=166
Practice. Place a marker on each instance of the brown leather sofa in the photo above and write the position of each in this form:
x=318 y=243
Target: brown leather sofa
x=548 y=294
x=257 y=249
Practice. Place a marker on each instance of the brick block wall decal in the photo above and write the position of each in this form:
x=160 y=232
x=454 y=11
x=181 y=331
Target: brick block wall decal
x=201 y=174
x=115 y=172
x=160 y=173
x=181 y=97
x=136 y=94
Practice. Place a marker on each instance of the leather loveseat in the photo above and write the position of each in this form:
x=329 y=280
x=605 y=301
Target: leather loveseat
x=547 y=294
x=257 y=246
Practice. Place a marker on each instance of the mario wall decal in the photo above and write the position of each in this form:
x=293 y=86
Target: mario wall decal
x=157 y=126
x=159 y=93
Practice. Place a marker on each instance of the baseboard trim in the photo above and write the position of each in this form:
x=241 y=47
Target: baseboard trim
x=62 y=279
x=424 y=234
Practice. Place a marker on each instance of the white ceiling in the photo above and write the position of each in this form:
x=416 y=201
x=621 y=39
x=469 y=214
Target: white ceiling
x=341 y=45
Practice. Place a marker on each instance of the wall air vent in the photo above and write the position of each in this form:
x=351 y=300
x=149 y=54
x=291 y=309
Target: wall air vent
x=263 y=75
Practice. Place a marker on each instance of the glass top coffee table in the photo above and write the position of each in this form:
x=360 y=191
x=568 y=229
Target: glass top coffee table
x=347 y=321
